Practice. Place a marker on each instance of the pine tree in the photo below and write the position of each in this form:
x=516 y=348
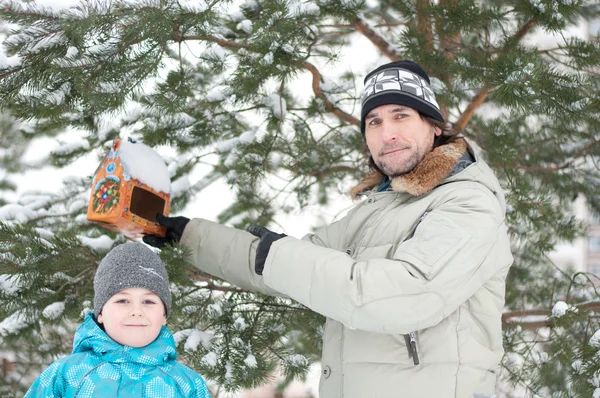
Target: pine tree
x=223 y=84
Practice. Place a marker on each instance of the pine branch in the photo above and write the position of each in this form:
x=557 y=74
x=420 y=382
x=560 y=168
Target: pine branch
x=424 y=24
x=316 y=86
x=481 y=96
x=316 y=81
x=382 y=44
x=533 y=325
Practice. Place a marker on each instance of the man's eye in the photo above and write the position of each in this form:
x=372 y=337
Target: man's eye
x=374 y=121
x=401 y=116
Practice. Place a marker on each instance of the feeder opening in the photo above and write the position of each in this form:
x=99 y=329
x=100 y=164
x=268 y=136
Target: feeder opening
x=145 y=204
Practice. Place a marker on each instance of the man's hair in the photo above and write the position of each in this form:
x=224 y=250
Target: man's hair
x=449 y=135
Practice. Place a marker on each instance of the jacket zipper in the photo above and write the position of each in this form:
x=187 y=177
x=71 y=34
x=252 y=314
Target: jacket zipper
x=411 y=346
x=411 y=342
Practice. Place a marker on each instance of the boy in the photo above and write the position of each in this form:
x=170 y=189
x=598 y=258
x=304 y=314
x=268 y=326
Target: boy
x=124 y=348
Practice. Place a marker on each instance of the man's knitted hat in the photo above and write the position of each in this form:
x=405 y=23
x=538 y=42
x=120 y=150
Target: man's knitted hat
x=400 y=83
x=130 y=265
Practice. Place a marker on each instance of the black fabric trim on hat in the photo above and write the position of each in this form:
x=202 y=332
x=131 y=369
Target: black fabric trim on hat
x=399 y=98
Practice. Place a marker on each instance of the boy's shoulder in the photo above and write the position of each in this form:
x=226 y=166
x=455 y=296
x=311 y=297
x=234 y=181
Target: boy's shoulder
x=83 y=360
x=181 y=372
x=177 y=368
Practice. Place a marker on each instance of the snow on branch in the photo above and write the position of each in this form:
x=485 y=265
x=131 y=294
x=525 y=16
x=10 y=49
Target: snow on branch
x=537 y=318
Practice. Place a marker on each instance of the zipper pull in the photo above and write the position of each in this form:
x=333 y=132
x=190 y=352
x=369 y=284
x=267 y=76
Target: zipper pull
x=413 y=348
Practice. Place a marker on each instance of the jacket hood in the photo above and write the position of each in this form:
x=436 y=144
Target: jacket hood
x=90 y=337
x=436 y=169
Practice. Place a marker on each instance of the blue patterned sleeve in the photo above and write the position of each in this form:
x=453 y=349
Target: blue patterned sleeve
x=48 y=384
x=200 y=390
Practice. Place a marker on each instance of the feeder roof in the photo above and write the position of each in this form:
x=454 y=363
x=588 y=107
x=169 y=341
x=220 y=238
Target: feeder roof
x=145 y=165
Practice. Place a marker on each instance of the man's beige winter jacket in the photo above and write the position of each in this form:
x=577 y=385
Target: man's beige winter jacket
x=411 y=281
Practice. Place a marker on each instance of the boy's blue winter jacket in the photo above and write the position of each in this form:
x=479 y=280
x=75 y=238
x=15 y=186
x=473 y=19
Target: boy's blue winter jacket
x=101 y=367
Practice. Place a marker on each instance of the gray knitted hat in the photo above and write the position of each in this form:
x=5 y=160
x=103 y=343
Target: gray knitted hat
x=130 y=265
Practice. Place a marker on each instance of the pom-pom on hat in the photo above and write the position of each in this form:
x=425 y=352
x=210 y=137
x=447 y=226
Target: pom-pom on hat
x=130 y=265
x=400 y=83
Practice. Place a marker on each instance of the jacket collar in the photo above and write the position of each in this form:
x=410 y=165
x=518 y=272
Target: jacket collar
x=428 y=174
x=90 y=337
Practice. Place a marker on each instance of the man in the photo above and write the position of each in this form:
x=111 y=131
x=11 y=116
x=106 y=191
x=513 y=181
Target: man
x=412 y=280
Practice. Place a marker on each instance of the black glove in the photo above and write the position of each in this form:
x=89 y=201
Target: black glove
x=262 y=250
x=175 y=227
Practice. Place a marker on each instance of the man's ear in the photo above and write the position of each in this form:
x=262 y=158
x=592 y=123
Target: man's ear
x=438 y=131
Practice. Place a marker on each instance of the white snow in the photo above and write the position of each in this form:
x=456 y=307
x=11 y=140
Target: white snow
x=180 y=186
x=296 y=360
x=145 y=164
x=210 y=359
x=228 y=371
x=54 y=310
x=216 y=94
x=308 y=8
x=76 y=205
x=71 y=52
x=216 y=52
x=13 y=324
x=67 y=148
x=247 y=137
x=240 y=323
x=559 y=309
x=101 y=243
x=245 y=25
x=195 y=338
x=595 y=340
x=277 y=105
x=18 y=213
x=250 y=361
x=267 y=59
x=192 y=5
x=9 y=62
x=9 y=284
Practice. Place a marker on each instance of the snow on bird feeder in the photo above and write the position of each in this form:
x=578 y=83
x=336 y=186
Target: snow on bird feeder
x=130 y=186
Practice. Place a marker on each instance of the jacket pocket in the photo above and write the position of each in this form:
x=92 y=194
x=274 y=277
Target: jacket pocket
x=434 y=241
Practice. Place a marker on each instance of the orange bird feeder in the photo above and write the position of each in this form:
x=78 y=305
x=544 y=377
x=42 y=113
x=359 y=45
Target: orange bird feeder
x=121 y=202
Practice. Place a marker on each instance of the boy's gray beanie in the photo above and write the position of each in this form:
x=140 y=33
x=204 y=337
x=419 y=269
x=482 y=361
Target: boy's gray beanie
x=130 y=265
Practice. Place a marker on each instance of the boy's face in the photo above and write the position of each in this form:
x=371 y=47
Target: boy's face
x=133 y=317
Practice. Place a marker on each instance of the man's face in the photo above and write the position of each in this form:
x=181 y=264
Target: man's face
x=398 y=138
x=133 y=317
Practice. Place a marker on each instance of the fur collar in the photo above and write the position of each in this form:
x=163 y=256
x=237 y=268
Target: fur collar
x=428 y=174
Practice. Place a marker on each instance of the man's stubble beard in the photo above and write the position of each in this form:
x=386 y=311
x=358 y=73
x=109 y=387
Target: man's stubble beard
x=406 y=167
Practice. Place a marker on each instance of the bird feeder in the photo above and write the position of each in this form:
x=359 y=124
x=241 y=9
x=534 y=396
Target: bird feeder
x=130 y=186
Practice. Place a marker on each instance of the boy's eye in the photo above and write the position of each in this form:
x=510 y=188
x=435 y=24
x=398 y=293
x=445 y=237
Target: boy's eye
x=121 y=301
x=149 y=302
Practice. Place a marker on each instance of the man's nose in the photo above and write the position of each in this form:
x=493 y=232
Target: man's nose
x=390 y=132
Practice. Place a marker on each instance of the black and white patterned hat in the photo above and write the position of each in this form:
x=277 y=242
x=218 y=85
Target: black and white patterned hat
x=401 y=83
